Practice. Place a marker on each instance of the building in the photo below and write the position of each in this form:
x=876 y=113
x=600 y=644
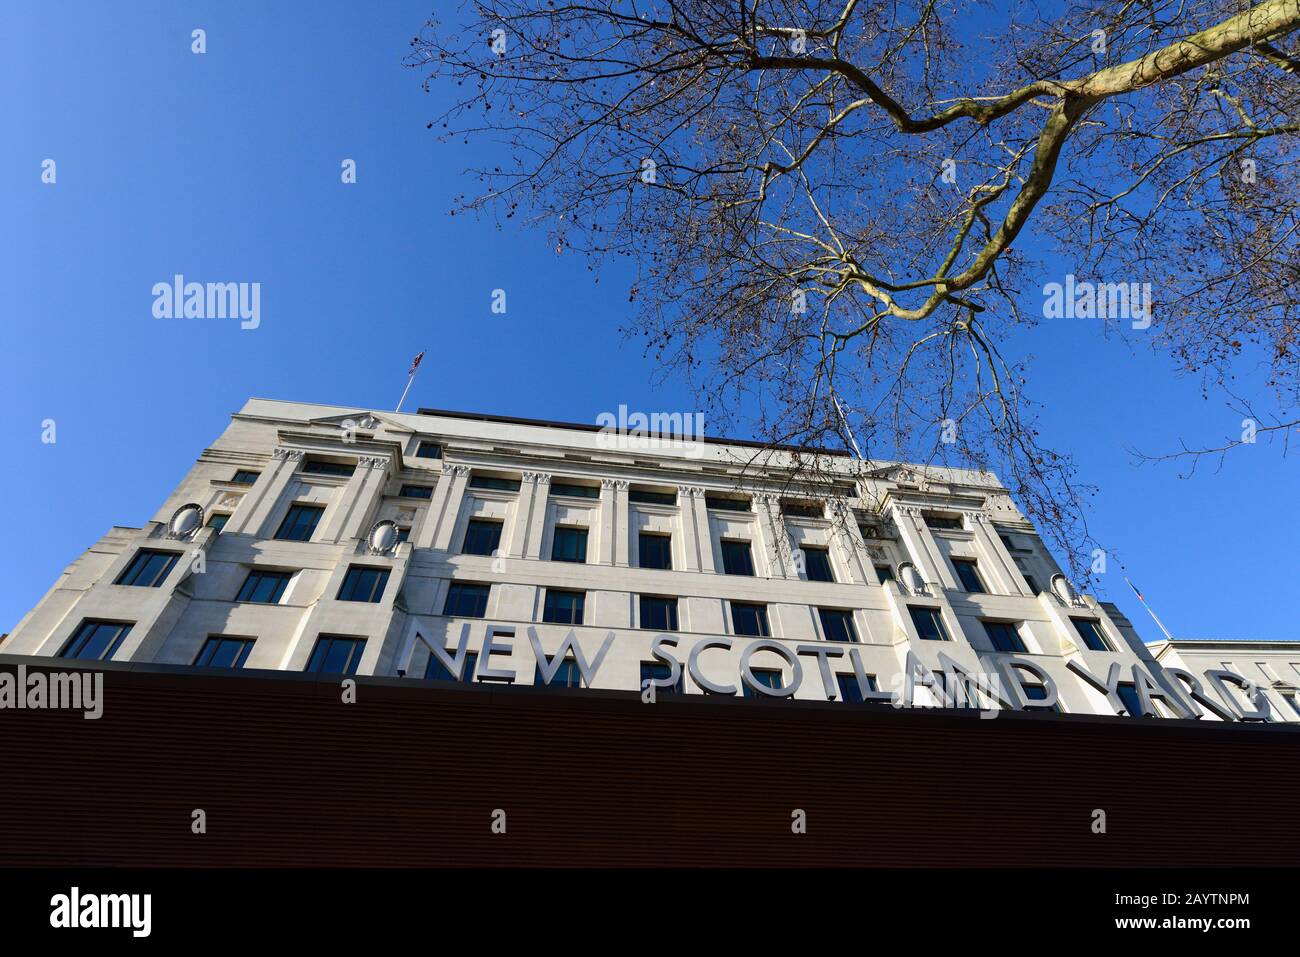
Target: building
x=630 y=556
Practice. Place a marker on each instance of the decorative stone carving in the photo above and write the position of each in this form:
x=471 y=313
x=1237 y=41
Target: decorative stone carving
x=541 y=478
x=290 y=455
x=690 y=491
x=373 y=461
x=615 y=484
x=382 y=538
x=185 y=521
x=456 y=470
x=231 y=499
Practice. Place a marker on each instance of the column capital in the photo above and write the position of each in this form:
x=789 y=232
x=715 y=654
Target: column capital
x=690 y=491
x=616 y=484
x=284 y=452
x=541 y=478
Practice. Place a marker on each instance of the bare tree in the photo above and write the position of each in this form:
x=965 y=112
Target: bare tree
x=824 y=202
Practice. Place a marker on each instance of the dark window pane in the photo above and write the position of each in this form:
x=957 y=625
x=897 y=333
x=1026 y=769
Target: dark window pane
x=574 y=491
x=429 y=450
x=929 y=625
x=482 y=537
x=1089 y=630
x=658 y=671
x=437 y=671
x=320 y=467
x=416 y=491
x=803 y=510
x=300 y=523
x=1129 y=695
x=1033 y=585
x=970 y=579
x=736 y=559
x=218 y=520
x=837 y=624
x=646 y=497
x=817 y=564
x=1004 y=636
x=492 y=482
x=566 y=675
x=364 y=584
x=658 y=613
x=148 y=568
x=466 y=600
x=884 y=573
x=245 y=477
x=336 y=656
x=96 y=640
x=569 y=544
x=851 y=691
x=655 y=551
x=403 y=533
x=768 y=677
x=264 y=586
x=564 y=607
x=946 y=522
x=749 y=620
x=224 y=653
x=726 y=503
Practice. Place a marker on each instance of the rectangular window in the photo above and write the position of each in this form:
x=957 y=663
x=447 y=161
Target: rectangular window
x=336 y=655
x=658 y=671
x=570 y=490
x=220 y=652
x=767 y=677
x=482 y=537
x=837 y=624
x=929 y=624
x=300 y=523
x=416 y=491
x=428 y=450
x=727 y=503
x=265 y=587
x=750 y=620
x=322 y=467
x=658 y=613
x=943 y=522
x=655 y=551
x=437 y=671
x=403 y=533
x=364 y=584
x=148 y=568
x=466 y=600
x=96 y=640
x=1033 y=585
x=736 y=559
x=1128 y=694
x=1004 y=636
x=494 y=483
x=851 y=691
x=569 y=544
x=245 y=477
x=968 y=576
x=1037 y=692
x=884 y=573
x=648 y=497
x=564 y=607
x=817 y=564
x=1089 y=630
x=566 y=675
x=803 y=510
x=218 y=520
x=1294 y=702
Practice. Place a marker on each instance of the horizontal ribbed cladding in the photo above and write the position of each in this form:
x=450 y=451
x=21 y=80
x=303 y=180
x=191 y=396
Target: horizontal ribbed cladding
x=411 y=774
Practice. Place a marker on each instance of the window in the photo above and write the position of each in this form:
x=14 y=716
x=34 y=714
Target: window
x=850 y=691
x=1036 y=692
x=803 y=510
x=929 y=625
x=944 y=522
x=750 y=620
x=574 y=491
x=245 y=477
x=437 y=671
x=566 y=675
x=837 y=624
x=336 y=655
x=264 y=586
x=569 y=544
x=1033 y=585
x=767 y=677
x=97 y=640
x=482 y=537
x=218 y=520
x=416 y=491
x=1004 y=636
x=736 y=559
x=494 y=483
x=321 y=467
x=1294 y=702
x=817 y=564
x=300 y=523
x=647 y=497
x=658 y=671
x=564 y=607
x=658 y=613
x=364 y=584
x=969 y=577
x=403 y=533
x=726 y=503
x=466 y=600
x=655 y=551
x=428 y=450
x=884 y=573
x=219 y=652
x=1006 y=540
x=1089 y=630
x=148 y=568
x=1128 y=694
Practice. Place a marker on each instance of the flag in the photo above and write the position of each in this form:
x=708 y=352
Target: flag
x=415 y=364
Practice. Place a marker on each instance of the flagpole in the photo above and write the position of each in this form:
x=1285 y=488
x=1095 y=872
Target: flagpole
x=1150 y=611
x=409 y=380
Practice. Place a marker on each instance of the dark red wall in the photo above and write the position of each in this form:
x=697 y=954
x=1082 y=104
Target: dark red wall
x=410 y=775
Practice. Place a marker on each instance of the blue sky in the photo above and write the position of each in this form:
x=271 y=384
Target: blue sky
x=226 y=166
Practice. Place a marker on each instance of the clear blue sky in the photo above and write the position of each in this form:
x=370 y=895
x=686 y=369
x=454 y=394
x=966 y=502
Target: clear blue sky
x=226 y=166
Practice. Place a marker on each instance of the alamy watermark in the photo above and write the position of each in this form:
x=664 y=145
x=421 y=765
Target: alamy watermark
x=1103 y=300
x=670 y=431
x=179 y=299
x=67 y=690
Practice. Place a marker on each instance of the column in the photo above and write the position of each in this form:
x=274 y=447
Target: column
x=1008 y=575
x=703 y=533
x=361 y=500
x=608 y=528
x=773 y=537
x=265 y=493
x=845 y=529
x=622 y=522
x=427 y=522
x=916 y=542
x=530 y=516
x=686 y=495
